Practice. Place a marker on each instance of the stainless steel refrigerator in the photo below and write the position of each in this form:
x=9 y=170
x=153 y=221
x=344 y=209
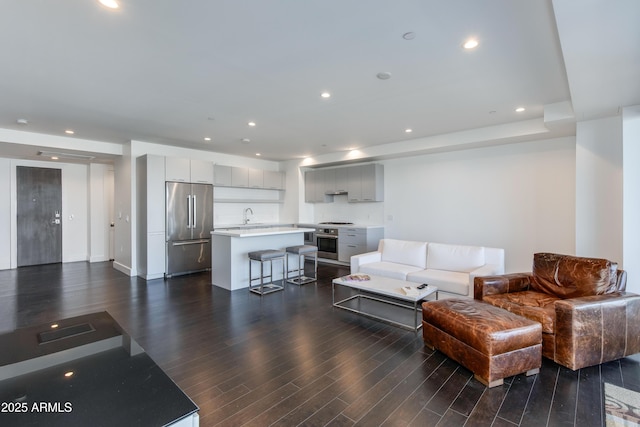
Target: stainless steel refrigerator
x=189 y=222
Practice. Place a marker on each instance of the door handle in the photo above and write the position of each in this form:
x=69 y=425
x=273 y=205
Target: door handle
x=195 y=211
x=190 y=242
x=189 y=211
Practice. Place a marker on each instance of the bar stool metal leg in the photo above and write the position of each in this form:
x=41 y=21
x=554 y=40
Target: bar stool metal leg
x=301 y=251
x=263 y=256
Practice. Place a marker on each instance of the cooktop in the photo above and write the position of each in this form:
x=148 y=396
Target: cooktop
x=336 y=223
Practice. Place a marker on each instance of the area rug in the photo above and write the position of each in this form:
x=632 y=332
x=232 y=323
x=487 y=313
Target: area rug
x=622 y=406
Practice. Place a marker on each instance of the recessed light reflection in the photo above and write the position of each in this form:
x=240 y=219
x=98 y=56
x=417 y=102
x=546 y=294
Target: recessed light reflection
x=111 y=4
x=470 y=44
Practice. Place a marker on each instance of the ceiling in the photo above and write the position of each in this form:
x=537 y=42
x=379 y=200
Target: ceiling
x=178 y=72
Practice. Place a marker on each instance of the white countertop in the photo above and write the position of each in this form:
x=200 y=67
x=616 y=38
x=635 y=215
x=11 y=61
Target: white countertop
x=256 y=232
x=252 y=225
x=367 y=226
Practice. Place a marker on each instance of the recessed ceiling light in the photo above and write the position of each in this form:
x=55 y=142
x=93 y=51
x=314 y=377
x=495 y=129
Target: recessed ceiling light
x=408 y=130
x=69 y=132
x=470 y=44
x=206 y=138
x=409 y=35
x=252 y=124
x=68 y=374
x=520 y=109
x=258 y=154
x=22 y=121
x=385 y=75
x=111 y=4
x=245 y=140
x=325 y=95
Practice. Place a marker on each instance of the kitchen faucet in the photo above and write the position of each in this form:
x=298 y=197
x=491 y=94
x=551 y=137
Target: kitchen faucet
x=245 y=219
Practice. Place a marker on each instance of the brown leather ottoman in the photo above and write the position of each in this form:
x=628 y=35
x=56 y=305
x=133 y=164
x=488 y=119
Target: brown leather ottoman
x=489 y=341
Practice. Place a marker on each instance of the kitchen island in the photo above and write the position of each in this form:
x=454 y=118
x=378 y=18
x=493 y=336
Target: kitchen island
x=229 y=249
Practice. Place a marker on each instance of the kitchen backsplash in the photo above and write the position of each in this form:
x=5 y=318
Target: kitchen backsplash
x=342 y=210
x=233 y=213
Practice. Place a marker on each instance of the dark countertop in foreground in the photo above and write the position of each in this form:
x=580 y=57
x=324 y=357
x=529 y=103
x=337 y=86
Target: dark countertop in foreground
x=114 y=383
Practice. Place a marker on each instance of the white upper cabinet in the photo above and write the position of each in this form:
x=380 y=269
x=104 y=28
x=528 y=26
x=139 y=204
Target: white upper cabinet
x=177 y=169
x=362 y=183
x=201 y=172
x=239 y=177
x=222 y=175
x=274 y=180
x=186 y=170
x=340 y=180
x=256 y=178
x=231 y=176
x=372 y=185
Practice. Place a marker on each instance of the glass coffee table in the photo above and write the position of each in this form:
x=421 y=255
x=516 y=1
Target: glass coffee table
x=383 y=299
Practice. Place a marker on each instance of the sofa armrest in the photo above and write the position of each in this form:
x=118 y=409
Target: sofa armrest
x=365 y=258
x=595 y=329
x=501 y=284
x=485 y=270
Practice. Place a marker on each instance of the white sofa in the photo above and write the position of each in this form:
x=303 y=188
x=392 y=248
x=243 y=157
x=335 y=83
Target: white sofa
x=451 y=268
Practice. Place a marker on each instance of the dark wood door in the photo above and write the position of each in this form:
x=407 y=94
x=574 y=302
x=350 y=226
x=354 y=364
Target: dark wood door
x=39 y=215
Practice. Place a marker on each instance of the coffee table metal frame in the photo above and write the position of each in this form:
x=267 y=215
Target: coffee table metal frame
x=385 y=290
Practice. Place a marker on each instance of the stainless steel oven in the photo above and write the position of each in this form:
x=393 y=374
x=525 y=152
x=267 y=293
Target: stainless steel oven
x=327 y=243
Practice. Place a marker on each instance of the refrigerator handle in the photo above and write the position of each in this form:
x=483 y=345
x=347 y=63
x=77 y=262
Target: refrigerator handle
x=189 y=211
x=195 y=210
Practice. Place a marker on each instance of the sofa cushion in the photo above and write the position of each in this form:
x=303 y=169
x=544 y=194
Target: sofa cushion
x=388 y=269
x=536 y=306
x=442 y=256
x=446 y=281
x=567 y=276
x=404 y=252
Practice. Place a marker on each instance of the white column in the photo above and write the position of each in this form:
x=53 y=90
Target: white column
x=599 y=188
x=631 y=196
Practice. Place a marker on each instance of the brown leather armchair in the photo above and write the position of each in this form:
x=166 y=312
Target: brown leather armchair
x=587 y=317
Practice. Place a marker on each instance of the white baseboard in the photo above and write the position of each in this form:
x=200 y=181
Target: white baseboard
x=123 y=269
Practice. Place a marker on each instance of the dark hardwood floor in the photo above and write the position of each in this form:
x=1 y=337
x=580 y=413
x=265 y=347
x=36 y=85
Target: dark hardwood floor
x=289 y=358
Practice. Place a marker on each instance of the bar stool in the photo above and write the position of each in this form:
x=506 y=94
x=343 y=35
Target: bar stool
x=263 y=256
x=302 y=251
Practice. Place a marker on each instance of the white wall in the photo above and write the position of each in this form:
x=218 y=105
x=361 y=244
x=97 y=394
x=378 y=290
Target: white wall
x=599 y=188
x=631 y=196
x=123 y=215
x=75 y=212
x=100 y=211
x=5 y=214
x=520 y=197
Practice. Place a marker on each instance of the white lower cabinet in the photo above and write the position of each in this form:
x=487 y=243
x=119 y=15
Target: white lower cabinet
x=357 y=240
